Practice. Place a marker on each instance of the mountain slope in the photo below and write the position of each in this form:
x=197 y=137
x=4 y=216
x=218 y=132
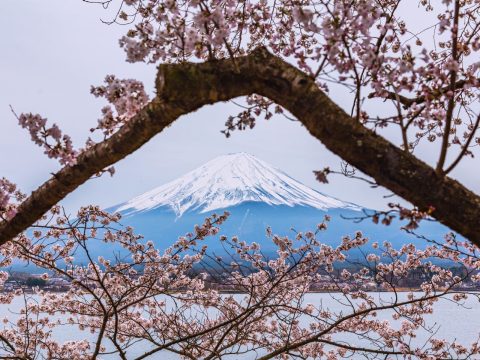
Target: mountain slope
x=230 y=180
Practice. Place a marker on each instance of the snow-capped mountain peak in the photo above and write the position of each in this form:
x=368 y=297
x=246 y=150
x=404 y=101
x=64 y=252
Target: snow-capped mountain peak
x=227 y=181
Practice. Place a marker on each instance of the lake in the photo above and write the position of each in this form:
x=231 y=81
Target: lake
x=450 y=321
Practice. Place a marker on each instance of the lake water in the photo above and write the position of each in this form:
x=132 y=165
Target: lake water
x=450 y=321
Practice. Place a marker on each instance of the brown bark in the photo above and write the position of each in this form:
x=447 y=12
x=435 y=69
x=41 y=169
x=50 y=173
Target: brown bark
x=183 y=88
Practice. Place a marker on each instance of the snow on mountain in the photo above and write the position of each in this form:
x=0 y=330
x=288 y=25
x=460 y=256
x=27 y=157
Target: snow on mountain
x=227 y=181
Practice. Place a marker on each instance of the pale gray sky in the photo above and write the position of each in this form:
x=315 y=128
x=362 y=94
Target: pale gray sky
x=53 y=51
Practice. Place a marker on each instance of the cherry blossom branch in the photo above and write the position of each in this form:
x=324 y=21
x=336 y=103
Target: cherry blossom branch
x=61 y=148
x=451 y=90
x=407 y=102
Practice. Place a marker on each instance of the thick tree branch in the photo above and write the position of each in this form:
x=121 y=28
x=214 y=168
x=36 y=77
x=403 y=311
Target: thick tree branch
x=183 y=88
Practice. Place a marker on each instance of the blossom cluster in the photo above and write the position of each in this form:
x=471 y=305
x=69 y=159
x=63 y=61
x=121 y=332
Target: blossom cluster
x=127 y=96
x=9 y=199
x=56 y=145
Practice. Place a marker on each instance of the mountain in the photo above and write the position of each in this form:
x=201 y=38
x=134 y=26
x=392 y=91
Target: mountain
x=257 y=196
x=228 y=181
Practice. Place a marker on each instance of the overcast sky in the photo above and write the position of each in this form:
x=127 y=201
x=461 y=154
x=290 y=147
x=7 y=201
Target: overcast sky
x=52 y=52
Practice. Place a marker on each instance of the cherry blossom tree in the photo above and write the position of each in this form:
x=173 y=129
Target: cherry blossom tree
x=283 y=57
